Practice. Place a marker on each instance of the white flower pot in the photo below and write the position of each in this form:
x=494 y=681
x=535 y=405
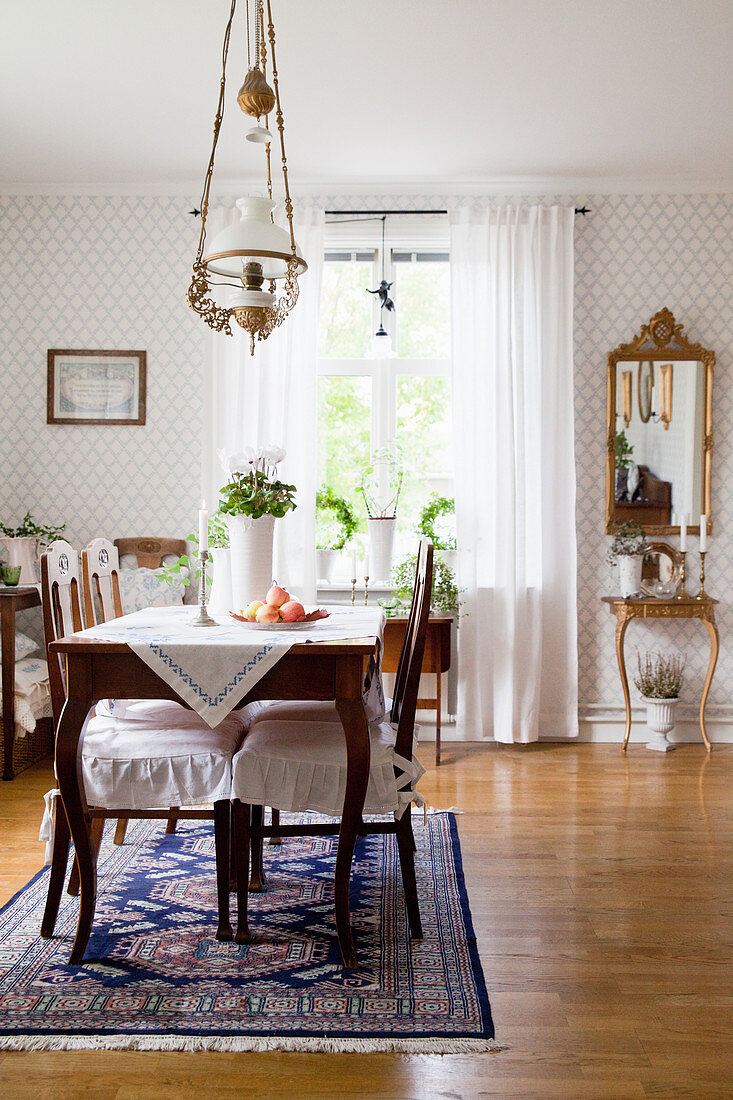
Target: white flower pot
x=250 y=551
x=660 y=717
x=381 y=538
x=629 y=574
x=325 y=563
x=22 y=551
x=220 y=599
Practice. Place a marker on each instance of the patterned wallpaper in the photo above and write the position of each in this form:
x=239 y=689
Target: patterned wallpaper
x=112 y=273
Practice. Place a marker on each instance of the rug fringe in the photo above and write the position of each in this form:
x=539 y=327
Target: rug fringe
x=237 y=1043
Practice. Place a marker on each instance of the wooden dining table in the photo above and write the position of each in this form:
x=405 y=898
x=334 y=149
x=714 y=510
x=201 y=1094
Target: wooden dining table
x=98 y=669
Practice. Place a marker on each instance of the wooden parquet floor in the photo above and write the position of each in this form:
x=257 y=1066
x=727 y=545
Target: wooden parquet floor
x=600 y=886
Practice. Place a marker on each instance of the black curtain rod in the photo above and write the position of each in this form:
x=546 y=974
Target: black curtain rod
x=385 y=213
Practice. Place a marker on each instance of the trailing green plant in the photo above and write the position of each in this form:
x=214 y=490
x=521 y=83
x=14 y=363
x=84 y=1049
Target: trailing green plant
x=446 y=595
x=628 y=539
x=180 y=571
x=436 y=507
x=660 y=676
x=382 y=472
x=336 y=523
x=29 y=529
x=624 y=451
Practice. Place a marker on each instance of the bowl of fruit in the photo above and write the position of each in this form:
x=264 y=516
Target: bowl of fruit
x=278 y=611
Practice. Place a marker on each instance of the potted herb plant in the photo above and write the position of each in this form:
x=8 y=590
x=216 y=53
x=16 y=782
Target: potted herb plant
x=336 y=524
x=250 y=502
x=627 y=551
x=659 y=680
x=381 y=483
x=21 y=545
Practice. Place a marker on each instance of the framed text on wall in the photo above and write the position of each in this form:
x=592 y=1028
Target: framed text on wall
x=96 y=387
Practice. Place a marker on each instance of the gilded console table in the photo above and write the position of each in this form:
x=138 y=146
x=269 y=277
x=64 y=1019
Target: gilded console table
x=653 y=608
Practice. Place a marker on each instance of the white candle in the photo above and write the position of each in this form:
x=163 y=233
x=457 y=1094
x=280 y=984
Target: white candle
x=366 y=566
x=703 y=532
x=353 y=563
x=203 y=527
x=683 y=531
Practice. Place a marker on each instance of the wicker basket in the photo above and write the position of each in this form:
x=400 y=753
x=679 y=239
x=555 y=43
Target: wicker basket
x=30 y=749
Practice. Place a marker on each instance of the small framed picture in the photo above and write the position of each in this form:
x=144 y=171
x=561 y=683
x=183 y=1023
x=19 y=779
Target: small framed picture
x=95 y=387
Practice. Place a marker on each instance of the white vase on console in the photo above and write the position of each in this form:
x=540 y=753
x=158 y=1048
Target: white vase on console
x=629 y=574
x=250 y=552
x=381 y=539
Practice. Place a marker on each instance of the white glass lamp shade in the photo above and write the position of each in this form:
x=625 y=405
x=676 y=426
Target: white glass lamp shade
x=253 y=239
x=381 y=346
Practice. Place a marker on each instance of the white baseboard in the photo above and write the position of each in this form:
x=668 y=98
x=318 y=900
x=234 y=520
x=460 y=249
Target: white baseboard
x=599 y=723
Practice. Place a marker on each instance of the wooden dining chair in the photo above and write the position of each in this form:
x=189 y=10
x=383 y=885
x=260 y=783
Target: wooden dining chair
x=294 y=758
x=130 y=768
x=100 y=571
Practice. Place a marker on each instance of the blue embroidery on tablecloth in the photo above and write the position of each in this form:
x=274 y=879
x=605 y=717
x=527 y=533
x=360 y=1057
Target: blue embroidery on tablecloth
x=215 y=700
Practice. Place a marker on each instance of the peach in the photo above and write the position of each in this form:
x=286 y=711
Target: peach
x=292 y=611
x=251 y=611
x=266 y=613
x=277 y=596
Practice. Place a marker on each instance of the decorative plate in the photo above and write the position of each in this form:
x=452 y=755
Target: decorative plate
x=308 y=621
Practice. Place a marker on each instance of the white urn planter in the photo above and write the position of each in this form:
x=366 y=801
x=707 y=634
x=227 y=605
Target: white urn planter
x=381 y=539
x=220 y=600
x=250 y=553
x=325 y=563
x=660 y=718
x=22 y=551
x=629 y=574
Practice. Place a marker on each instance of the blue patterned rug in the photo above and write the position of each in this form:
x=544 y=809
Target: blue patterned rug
x=154 y=977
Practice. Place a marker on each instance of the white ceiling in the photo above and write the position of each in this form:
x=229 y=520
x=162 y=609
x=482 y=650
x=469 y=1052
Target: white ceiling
x=119 y=97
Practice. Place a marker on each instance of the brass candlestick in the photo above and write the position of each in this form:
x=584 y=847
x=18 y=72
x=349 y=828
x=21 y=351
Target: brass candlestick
x=702 y=594
x=682 y=594
x=353 y=590
x=203 y=618
x=366 y=590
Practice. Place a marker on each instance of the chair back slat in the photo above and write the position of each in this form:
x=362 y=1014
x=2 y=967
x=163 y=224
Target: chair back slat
x=62 y=615
x=151 y=551
x=407 y=680
x=100 y=567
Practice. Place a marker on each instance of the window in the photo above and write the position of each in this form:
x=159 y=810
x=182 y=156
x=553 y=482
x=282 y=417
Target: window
x=366 y=403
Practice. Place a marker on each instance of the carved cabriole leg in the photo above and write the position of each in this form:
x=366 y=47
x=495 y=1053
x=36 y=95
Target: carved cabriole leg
x=621 y=623
x=714 y=648
x=353 y=719
x=120 y=830
x=69 y=770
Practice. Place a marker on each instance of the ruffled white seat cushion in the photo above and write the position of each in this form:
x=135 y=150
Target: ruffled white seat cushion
x=294 y=758
x=165 y=756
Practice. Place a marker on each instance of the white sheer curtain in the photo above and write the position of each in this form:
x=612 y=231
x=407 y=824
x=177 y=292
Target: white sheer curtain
x=271 y=397
x=512 y=350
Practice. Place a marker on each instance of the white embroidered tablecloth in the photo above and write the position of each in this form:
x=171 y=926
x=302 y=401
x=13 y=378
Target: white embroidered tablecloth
x=213 y=668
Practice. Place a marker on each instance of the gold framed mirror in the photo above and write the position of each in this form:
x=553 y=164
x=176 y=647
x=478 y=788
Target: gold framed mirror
x=659 y=447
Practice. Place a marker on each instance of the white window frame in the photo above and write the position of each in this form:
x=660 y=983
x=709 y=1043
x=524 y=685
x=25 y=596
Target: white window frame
x=415 y=235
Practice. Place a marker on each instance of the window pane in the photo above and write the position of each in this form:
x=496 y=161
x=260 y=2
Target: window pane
x=346 y=310
x=424 y=438
x=344 y=423
x=422 y=300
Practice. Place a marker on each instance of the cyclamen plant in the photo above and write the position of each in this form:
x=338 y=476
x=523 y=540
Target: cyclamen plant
x=254 y=489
